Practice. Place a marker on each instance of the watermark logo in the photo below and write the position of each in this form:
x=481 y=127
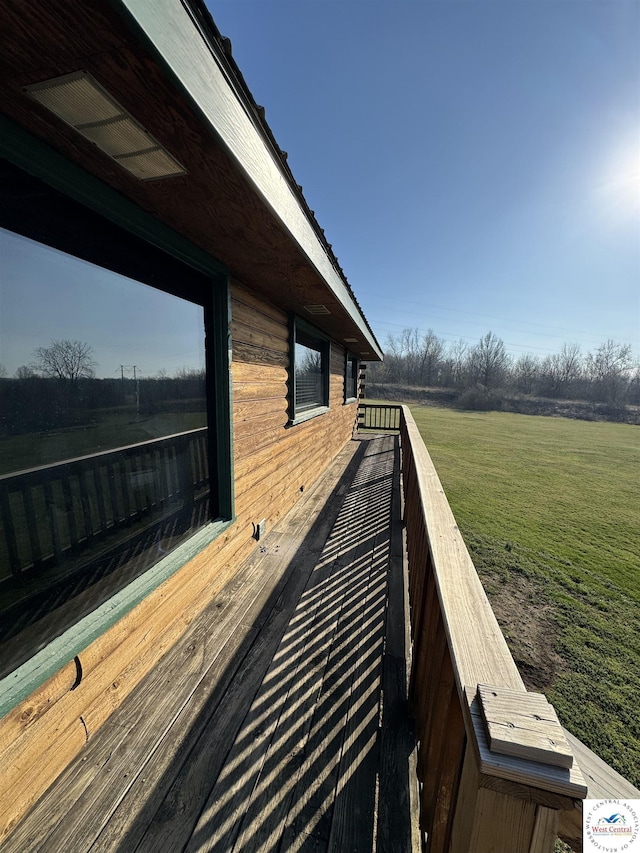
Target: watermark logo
x=610 y=826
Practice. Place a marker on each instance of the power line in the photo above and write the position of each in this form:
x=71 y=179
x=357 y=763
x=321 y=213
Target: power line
x=429 y=306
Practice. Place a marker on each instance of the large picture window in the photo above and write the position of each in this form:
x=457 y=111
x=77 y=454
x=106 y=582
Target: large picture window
x=310 y=372
x=107 y=437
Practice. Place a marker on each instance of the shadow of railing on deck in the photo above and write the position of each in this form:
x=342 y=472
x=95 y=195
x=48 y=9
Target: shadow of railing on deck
x=302 y=772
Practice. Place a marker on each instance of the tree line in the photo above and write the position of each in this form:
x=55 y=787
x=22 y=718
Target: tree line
x=608 y=374
x=59 y=389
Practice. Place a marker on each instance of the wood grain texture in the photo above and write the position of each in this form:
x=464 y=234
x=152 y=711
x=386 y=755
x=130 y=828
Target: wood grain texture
x=502 y=825
x=479 y=651
x=280 y=725
x=568 y=782
x=523 y=724
x=545 y=830
x=114 y=762
x=456 y=640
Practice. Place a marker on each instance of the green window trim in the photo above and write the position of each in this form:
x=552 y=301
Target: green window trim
x=21 y=683
x=308 y=380
x=351 y=369
x=38 y=159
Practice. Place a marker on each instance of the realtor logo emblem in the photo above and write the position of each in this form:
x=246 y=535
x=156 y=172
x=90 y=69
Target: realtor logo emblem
x=610 y=826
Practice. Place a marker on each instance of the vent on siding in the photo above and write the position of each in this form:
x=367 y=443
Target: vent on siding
x=83 y=103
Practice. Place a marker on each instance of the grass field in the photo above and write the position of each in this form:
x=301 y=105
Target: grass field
x=111 y=430
x=549 y=509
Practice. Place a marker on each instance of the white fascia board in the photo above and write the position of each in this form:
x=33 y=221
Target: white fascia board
x=170 y=29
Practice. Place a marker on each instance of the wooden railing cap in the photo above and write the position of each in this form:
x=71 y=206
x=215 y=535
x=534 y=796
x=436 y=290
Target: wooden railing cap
x=534 y=774
x=523 y=724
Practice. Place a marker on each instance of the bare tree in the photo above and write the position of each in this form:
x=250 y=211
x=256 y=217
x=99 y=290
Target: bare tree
x=411 y=353
x=561 y=371
x=457 y=362
x=393 y=359
x=199 y=373
x=525 y=373
x=403 y=352
x=610 y=371
x=430 y=357
x=25 y=371
x=488 y=361
x=67 y=360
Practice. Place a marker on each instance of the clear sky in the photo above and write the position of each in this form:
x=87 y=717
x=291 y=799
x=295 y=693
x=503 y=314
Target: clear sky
x=125 y=323
x=476 y=165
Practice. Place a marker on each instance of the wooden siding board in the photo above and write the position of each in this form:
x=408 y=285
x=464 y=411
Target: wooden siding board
x=247 y=318
x=88 y=792
x=125 y=752
x=113 y=665
x=258 y=373
x=258 y=389
x=242 y=295
x=260 y=337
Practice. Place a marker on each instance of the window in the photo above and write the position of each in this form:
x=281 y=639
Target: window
x=351 y=378
x=109 y=453
x=310 y=372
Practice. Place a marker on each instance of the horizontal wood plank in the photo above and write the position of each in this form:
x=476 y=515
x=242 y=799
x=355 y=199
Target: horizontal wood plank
x=524 y=725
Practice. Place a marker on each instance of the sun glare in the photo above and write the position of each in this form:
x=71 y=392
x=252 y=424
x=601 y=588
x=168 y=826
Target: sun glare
x=619 y=190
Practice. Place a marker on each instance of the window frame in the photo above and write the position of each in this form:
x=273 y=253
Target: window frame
x=38 y=159
x=324 y=346
x=351 y=358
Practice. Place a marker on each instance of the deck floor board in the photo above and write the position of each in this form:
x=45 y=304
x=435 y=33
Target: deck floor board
x=278 y=722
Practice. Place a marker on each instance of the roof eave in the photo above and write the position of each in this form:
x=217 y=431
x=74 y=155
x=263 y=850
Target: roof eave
x=197 y=59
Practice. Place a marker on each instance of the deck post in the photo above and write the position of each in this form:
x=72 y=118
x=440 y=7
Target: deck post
x=497 y=814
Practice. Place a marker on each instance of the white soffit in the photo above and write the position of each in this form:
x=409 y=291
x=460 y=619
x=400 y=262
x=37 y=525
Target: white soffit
x=170 y=29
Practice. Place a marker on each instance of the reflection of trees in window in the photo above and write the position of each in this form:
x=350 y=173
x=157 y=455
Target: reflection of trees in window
x=68 y=360
x=311 y=372
x=100 y=477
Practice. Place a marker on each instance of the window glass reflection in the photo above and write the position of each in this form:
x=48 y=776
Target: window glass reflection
x=309 y=374
x=103 y=436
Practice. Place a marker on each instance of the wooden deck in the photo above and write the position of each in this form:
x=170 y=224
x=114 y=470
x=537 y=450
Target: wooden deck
x=279 y=721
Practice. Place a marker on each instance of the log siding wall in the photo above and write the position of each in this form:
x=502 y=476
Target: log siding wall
x=274 y=463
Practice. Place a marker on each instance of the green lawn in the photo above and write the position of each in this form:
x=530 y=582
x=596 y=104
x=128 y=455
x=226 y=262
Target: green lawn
x=106 y=432
x=549 y=509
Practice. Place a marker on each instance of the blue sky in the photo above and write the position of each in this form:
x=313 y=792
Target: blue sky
x=125 y=322
x=476 y=165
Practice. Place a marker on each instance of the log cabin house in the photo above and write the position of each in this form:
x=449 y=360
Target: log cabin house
x=142 y=189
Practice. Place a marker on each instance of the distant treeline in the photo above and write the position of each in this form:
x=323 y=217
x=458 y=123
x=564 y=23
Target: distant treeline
x=42 y=404
x=607 y=375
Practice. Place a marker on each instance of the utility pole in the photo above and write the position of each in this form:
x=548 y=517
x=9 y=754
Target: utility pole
x=137 y=383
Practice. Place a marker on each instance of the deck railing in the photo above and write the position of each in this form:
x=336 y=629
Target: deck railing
x=381 y=417
x=495 y=770
x=55 y=510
